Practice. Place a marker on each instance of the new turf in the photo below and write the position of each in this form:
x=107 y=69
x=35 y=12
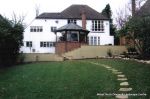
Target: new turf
x=70 y=80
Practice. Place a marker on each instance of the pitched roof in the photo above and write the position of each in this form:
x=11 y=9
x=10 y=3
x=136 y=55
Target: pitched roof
x=49 y=16
x=71 y=27
x=74 y=12
x=145 y=9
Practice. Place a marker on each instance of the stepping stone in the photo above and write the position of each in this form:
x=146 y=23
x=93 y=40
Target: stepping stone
x=108 y=67
x=122 y=96
x=114 y=70
x=117 y=72
x=125 y=89
x=124 y=84
x=122 y=79
x=121 y=76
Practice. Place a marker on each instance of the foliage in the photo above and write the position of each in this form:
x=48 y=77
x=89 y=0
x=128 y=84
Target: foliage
x=109 y=52
x=138 y=30
x=108 y=13
x=10 y=40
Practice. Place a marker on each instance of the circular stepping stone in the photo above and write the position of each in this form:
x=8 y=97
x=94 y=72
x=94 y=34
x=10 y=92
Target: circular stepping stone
x=121 y=76
x=122 y=79
x=124 y=84
x=122 y=96
x=125 y=89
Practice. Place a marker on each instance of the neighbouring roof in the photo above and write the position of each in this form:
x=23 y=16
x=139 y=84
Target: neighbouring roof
x=145 y=9
x=74 y=12
x=71 y=27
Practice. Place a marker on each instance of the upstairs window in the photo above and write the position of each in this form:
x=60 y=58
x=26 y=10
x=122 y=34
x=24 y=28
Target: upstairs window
x=47 y=44
x=72 y=21
x=97 y=26
x=36 y=29
x=28 y=43
x=53 y=28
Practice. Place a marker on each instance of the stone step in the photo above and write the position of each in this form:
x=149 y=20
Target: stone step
x=121 y=76
x=125 y=89
x=108 y=67
x=114 y=70
x=122 y=79
x=124 y=84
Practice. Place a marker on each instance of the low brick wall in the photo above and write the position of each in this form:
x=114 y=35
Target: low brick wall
x=35 y=57
x=62 y=47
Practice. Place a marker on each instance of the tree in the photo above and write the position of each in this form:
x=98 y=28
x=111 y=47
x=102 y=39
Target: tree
x=141 y=37
x=10 y=40
x=124 y=14
x=137 y=30
x=108 y=13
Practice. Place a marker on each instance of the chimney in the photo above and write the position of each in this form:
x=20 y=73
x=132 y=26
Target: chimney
x=83 y=16
x=133 y=8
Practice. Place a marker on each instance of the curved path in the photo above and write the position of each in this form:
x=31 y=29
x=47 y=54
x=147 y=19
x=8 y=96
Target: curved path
x=124 y=85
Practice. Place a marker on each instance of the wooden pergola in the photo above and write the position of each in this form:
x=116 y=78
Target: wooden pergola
x=72 y=33
x=72 y=37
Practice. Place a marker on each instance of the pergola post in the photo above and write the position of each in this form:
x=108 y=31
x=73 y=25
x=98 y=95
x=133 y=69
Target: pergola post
x=78 y=36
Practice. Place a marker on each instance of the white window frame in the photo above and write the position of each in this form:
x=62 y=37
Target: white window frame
x=53 y=28
x=45 y=44
x=28 y=43
x=72 y=21
x=97 y=26
x=36 y=28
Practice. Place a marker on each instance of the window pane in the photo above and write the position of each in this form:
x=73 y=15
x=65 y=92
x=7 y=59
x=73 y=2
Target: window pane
x=44 y=44
x=95 y=40
x=91 y=40
x=27 y=44
x=41 y=44
x=48 y=44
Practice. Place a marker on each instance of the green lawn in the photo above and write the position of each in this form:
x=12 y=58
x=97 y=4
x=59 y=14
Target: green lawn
x=71 y=80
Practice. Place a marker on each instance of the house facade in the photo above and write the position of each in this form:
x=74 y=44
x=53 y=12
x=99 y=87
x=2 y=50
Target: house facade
x=40 y=37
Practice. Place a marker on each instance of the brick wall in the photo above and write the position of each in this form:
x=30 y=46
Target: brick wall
x=62 y=47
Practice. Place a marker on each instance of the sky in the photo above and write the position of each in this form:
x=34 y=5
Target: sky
x=27 y=7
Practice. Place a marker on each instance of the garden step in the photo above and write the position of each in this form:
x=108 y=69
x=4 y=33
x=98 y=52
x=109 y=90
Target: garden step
x=122 y=96
x=108 y=67
x=125 y=89
x=121 y=76
x=124 y=84
x=114 y=70
x=122 y=79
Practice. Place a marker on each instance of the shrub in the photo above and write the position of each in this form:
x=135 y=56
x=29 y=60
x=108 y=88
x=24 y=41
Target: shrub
x=109 y=53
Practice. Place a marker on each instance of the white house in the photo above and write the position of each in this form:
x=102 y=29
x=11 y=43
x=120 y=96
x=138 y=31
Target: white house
x=39 y=36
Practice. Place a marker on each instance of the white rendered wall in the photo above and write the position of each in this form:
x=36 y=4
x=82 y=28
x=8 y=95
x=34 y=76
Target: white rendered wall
x=37 y=37
x=105 y=37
